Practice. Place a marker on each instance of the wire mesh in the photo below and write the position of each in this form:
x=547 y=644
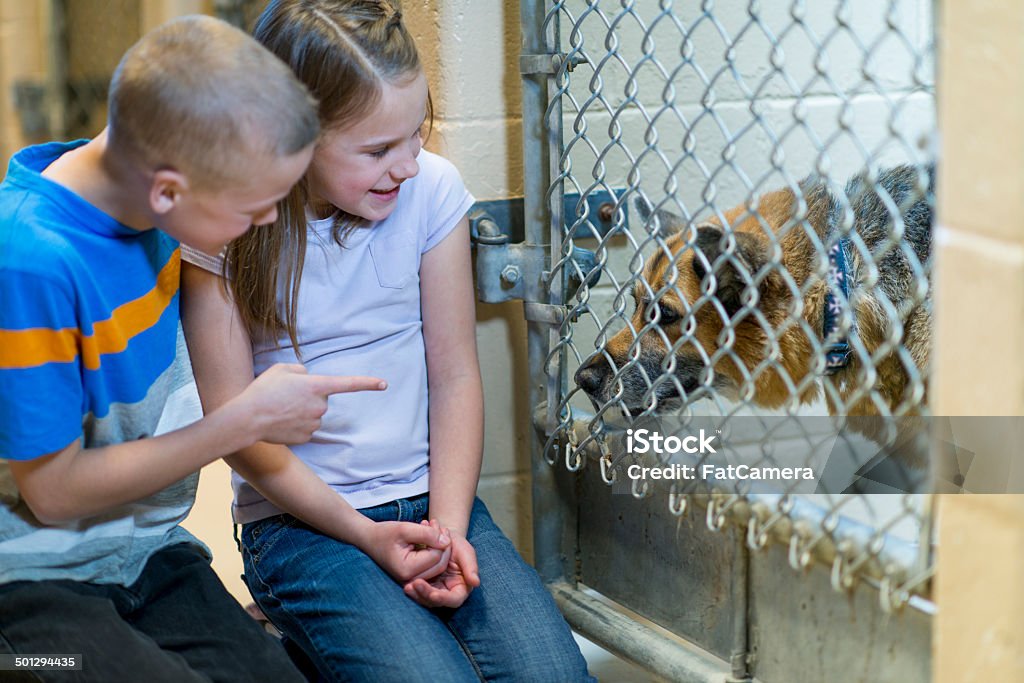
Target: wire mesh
x=766 y=273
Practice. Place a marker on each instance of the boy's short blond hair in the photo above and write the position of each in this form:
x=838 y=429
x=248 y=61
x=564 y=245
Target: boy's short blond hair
x=202 y=97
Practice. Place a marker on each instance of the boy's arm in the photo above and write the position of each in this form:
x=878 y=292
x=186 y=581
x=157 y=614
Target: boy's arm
x=453 y=375
x=74 y=483
x=221 y=354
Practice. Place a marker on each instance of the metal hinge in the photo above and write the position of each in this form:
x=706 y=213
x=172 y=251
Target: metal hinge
x=507 y=271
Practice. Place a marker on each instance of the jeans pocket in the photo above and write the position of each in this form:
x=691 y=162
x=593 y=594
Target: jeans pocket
x=260 y=536
x=395 y=258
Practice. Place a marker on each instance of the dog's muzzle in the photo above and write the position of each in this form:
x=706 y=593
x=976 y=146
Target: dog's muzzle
x=595 y=378
x=591 y=376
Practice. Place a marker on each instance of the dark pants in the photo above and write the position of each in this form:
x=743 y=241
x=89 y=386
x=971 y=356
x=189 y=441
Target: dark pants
x=177 y=623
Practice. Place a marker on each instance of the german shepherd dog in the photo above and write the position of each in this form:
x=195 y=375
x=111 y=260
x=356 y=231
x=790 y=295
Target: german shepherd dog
x=767 y=286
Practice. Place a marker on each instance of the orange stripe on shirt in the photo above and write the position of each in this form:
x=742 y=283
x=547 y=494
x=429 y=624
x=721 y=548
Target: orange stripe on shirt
x=39 y=345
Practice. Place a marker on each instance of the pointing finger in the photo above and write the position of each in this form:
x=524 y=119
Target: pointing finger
x=331 y=384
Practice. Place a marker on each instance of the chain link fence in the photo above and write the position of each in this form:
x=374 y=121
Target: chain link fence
x=763 y=270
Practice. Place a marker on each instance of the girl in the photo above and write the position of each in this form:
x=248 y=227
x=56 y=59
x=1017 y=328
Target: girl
x=367 y=271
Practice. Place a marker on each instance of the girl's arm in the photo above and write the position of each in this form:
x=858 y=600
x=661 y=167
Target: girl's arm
x=222 y=362
x=453 y=375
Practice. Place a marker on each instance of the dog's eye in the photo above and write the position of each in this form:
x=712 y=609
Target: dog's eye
x=666 y=315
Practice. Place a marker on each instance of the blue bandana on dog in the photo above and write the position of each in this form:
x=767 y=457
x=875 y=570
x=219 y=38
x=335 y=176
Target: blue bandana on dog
x=837 y=352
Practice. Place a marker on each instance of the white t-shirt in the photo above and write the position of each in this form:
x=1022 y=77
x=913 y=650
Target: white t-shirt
x=358 y=313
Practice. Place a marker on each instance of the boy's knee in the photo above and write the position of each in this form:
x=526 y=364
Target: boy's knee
x=269 y=661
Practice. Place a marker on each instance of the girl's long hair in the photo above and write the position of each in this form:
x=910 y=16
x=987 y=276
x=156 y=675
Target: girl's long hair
x=344 y=51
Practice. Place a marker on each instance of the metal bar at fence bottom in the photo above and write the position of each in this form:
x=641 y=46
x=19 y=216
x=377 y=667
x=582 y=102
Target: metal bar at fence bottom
x=669 y=657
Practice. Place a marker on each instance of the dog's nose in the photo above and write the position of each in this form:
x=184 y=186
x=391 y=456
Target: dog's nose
x=590 y=374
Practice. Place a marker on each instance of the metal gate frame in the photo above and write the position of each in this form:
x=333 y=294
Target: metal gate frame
x=728 y=615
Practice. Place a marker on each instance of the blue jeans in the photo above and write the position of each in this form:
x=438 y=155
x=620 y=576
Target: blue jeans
x=355 y=623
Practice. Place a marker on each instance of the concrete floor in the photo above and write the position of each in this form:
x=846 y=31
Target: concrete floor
x=610 y=669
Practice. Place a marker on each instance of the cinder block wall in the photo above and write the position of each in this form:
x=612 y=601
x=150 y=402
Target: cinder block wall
x=979 y=629
x=470 y=50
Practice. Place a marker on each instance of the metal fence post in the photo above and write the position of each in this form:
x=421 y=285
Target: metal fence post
x=554 y=508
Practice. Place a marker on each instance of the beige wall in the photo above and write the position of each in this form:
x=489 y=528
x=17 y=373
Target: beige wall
x=470 y=51
x=100 y=31
x=155 y=12
x=979 y=628
x=979 y=634
x=22 y=58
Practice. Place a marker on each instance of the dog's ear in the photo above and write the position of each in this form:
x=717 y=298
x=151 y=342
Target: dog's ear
x=730 y=280
x=669 y=222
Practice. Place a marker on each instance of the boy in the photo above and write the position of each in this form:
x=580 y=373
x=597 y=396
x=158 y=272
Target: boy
x=206 y=131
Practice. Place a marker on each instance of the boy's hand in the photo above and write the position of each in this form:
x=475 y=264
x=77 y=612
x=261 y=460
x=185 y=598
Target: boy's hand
x=286 y=403
x=408 y=551
x=451 y=587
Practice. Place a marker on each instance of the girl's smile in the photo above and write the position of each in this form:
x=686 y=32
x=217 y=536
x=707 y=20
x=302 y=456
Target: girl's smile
x=360 y=168
x=386 y=196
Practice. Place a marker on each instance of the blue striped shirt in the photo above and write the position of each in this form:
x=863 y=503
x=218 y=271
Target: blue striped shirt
x=90 y=348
